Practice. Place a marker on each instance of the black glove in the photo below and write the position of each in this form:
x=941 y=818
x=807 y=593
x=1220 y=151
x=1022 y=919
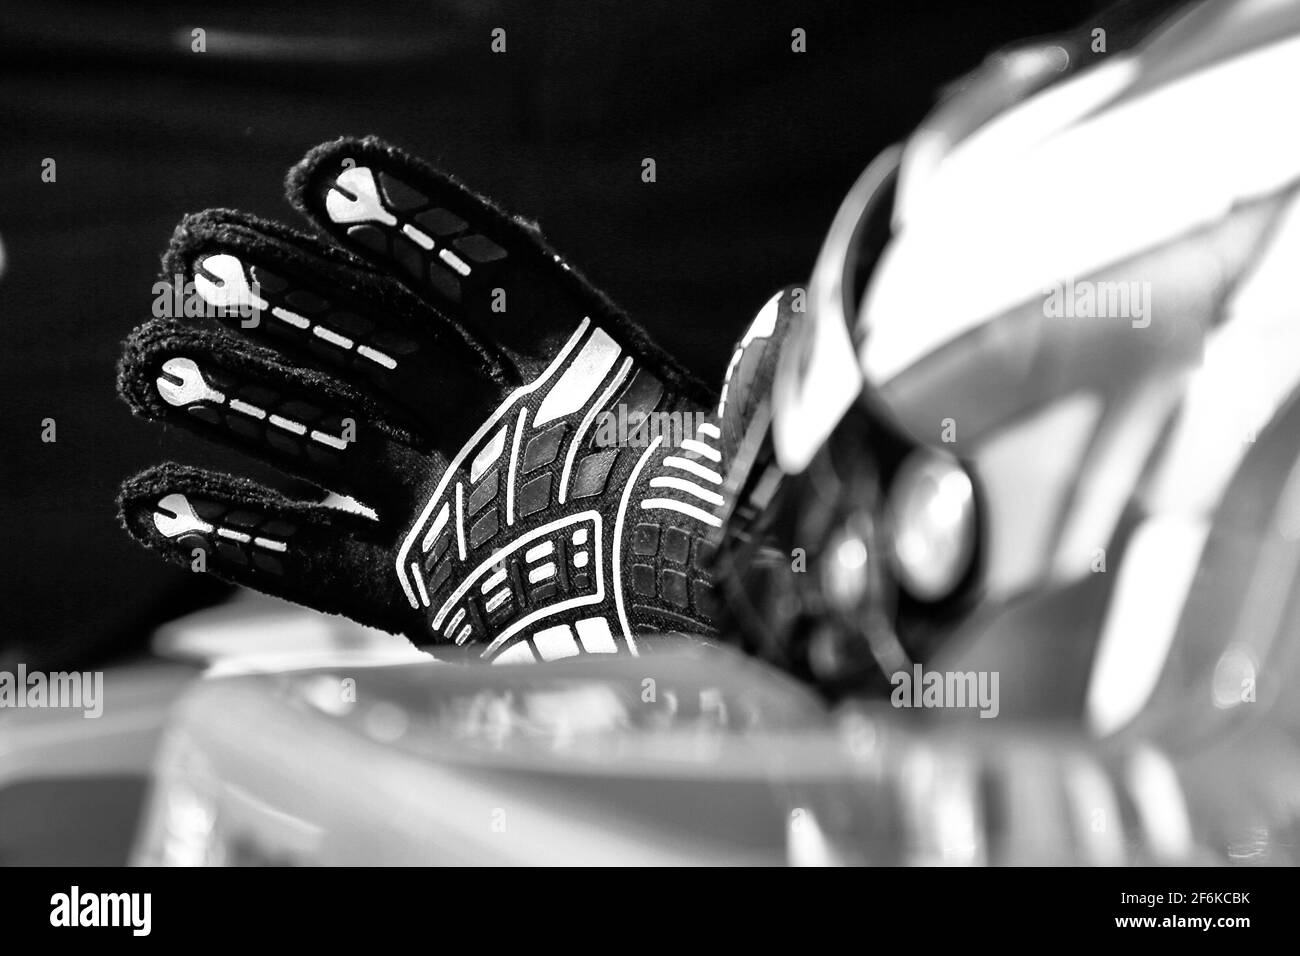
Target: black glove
x=434 y=360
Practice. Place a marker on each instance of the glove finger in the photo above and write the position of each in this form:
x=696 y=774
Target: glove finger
x=301 y=421
x=492 y=272
x=334 y=561
x=323 y=307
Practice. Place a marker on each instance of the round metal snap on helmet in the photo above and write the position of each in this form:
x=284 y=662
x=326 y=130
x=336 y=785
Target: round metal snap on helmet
x=1048 y=344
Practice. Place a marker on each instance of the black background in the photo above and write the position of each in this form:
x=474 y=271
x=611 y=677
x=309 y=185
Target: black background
x=754 y=146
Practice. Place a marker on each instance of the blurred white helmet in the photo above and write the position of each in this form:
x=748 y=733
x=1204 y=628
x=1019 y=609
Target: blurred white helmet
x=1050 y=343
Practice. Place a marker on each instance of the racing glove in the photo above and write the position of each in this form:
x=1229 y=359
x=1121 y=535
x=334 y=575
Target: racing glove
x=514 y=470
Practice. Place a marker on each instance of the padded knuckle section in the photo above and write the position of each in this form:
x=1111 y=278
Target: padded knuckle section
x=668 y=568
x=255 y=412
x=276 y=307
x=238 y=537
x=397 y=222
